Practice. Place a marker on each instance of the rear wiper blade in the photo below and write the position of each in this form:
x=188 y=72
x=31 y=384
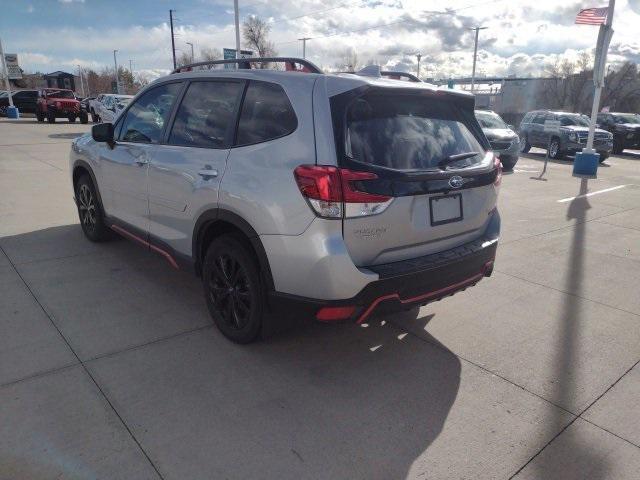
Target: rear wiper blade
x=454 y=158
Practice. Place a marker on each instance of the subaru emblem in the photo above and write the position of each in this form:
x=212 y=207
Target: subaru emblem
x=456 y=181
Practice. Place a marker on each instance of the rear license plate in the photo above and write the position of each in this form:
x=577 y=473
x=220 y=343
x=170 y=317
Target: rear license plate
x=445 y=209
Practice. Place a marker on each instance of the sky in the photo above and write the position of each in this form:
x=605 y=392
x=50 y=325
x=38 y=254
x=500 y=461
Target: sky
x=522 y=37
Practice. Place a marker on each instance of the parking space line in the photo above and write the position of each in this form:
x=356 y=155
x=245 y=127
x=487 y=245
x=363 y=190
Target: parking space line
x=597 y=192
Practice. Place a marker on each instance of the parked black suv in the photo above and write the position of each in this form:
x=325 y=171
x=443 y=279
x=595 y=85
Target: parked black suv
x=570 y=138
x=24 y=100
x=625 y=128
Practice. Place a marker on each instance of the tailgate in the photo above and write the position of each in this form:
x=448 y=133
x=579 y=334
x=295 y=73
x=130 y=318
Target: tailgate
x=427 y=153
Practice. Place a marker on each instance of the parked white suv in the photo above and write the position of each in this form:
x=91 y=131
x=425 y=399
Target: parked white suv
x=296 y=192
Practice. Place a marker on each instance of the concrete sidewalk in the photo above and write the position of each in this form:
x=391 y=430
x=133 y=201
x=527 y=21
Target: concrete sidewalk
x=110 y=366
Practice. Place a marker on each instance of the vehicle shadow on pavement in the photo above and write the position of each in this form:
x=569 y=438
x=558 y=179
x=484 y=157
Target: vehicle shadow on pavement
x=316 y=401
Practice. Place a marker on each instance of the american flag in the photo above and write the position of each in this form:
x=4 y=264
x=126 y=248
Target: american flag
x=592 y=16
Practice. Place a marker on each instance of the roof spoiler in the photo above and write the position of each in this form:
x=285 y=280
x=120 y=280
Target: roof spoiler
x=245 y=64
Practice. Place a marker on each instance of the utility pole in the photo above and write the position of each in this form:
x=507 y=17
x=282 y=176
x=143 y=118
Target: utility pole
x=418 y=56
x=5 y=74
x=81 y=80
x=304 y=46
x=115 y=62
x=189 y=43
x=237 y=20
x=173 y=42
x=131 y=67
x=475 y=54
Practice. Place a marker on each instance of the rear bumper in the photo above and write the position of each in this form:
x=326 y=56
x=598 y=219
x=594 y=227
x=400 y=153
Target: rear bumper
x=403 y=285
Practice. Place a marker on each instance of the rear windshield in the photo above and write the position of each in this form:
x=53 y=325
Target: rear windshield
x=408 y=132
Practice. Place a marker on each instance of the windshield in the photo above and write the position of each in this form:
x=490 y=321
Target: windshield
x=60 y=94
x=574 y=120
x=123 y=101
x=408 y=132
x=627 y=118
x=490 y=120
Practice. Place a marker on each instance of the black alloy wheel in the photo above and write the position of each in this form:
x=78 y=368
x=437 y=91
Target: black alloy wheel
x=90 y=211
x=233 y=289
x=554 y=149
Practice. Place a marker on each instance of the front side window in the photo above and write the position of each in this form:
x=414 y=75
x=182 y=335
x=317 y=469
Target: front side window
x=146 y=118
x=206 y=115
x=574 y=120
x=409 y=132
x=266 y=114
x=627 y=118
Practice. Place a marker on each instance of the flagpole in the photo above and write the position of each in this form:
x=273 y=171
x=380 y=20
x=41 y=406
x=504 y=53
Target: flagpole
x=604 y=37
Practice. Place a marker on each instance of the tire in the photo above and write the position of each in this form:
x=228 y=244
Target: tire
x=553 y=150
x=234 y=289
x=508 y=163
x=90 y=211
x=72 y=118
x=603 y=157
x=525 y=146
x=617 y=148
x=40 y=116
x=51 y=117
x=84 y=118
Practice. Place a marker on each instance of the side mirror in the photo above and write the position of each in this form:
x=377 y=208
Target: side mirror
x=103 y=132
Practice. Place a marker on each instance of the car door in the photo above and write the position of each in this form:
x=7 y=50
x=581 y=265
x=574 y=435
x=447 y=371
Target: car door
x=25 y=100
x=537 y=130
x=185 y=173
x=125 y=166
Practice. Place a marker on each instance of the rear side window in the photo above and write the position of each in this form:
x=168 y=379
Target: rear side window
x=206 y=115
x=146 y=118
x=408 y=132
x=266 y=114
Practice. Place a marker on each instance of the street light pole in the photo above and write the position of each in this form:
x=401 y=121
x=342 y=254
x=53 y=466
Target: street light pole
x=191 y=44
x=5 y=74
x=304 y=46
x=81 y=80
x=475 y=55
x=115 y=62
x=237 y=21
x=173 y=42
x=418 y=56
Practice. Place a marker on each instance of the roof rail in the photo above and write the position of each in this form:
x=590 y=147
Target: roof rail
x=245 y=63
x=410 y=76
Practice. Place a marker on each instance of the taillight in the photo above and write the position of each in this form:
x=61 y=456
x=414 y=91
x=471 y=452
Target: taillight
x=332 y=193
x=497 y=164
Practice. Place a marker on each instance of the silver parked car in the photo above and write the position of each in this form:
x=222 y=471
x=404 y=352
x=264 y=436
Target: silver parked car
x=297 y=192
x=504 y=141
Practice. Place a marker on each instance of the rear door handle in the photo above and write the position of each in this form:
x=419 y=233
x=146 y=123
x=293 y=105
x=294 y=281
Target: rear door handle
x=208 y=172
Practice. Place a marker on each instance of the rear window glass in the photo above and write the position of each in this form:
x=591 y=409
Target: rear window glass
x=266 y=114
x=408 y=132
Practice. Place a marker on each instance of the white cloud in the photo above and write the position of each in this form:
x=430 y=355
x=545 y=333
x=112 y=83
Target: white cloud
x=522 y=37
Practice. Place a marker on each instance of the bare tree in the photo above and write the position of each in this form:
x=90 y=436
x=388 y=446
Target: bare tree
x=621 y=90
x=208 y=54
x=568 y=83
x=348 y=60
x=183 y=59
x=255 y=32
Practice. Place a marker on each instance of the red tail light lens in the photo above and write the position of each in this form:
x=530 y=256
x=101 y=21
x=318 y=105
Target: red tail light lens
x=332 y=194
x=498 y=166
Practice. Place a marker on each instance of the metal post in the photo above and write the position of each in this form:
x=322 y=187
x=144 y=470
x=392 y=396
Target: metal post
x=192 y=58
x=604 y=37
x=419 y=56
x=237 y=20
x=81 y=80
x=304 y=46
x=115 y=62
x=475 y=55
x=173 y=42
x=131 y=67
x=5 y=74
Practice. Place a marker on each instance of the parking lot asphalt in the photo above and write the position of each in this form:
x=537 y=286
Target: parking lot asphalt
x=110 y=366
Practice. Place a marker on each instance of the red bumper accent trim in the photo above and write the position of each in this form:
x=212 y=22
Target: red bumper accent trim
x=425 y=296
x=144 y=243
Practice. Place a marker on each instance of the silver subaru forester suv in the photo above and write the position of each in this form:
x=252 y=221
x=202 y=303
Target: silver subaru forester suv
x=295 y=193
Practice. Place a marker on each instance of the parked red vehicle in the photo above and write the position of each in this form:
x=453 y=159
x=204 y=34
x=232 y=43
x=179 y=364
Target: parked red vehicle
x=59 y=103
